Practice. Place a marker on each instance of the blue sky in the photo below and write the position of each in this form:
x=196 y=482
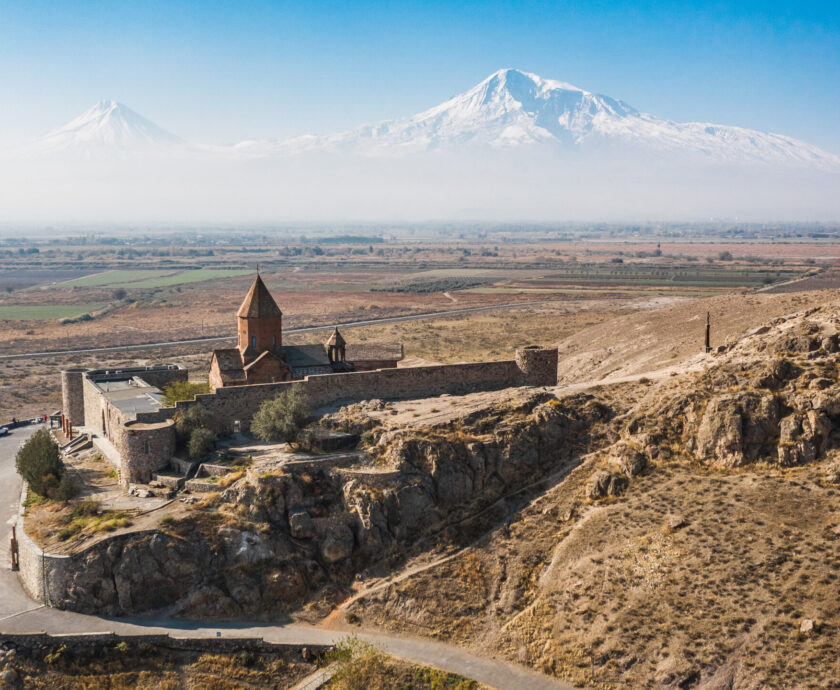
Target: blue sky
x=225 y=71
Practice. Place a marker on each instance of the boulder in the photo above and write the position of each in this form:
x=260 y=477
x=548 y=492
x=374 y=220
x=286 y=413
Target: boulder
x=831 y=343
x=604 y=483
x=628 y=459
x=300 y=525
x=737 y=429
x=802 y=438
x=337 y=543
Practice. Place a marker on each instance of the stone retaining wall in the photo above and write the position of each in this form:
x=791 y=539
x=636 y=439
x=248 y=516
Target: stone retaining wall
x=147 y=442
x=197 y=644
x=44 y=576
x=241 y=403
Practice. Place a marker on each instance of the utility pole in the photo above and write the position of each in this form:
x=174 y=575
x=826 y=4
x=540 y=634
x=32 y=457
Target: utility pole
x=708 y=347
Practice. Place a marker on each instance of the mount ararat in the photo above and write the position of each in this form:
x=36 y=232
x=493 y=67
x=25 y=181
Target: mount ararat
x=515 y=147
x=509 y=109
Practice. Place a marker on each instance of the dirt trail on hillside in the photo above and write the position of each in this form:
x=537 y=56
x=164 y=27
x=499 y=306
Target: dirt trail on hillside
x=657 y=339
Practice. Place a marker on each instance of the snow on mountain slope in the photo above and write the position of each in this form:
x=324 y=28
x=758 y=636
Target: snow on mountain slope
x=106 y=127
x=514 y=109
x=509 y=111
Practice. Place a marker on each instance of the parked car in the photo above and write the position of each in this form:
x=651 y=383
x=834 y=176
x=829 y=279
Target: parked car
x=4 y=431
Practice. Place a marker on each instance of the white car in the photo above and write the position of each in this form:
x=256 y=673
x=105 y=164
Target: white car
x=4 y=431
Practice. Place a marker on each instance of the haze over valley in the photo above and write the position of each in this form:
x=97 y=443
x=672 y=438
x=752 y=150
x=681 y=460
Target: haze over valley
x=514 y=147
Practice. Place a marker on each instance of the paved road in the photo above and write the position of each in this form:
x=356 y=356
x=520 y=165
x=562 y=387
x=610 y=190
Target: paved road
x=12 y=597
x=18 y=613
x=289 y=331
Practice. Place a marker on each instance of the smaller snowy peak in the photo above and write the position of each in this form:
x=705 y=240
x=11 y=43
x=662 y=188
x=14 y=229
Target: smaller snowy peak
x=107 y=126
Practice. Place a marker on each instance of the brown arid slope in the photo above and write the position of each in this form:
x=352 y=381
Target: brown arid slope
x=678 y=529
x=657 y=338
x=695 y=545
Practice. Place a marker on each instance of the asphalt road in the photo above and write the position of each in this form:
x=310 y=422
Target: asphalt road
x=18 y=613
x=290 y=331
x=12 y=597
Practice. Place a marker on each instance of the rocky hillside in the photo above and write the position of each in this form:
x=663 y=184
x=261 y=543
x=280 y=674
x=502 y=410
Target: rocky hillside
x=672 y=336
x=678 y=530
x=696 y=548
x=272 y=541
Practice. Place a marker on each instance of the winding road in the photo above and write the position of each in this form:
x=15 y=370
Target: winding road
x=20 y=614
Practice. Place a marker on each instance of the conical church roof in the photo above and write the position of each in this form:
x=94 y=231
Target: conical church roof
x=336 y=339
x=259 y=304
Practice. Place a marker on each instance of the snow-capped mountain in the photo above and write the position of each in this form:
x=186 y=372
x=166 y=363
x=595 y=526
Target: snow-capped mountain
x=509 y=111
x=107 y=127
x=514 y=109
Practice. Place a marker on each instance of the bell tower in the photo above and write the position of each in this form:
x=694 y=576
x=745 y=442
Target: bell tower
x=260 y=323
x=336 y=348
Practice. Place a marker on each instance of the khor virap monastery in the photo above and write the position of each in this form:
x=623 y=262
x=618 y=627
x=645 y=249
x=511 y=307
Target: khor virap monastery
x=262 y=358
x=123 y=412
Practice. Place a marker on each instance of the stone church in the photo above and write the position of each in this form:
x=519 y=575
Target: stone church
x=261 y=356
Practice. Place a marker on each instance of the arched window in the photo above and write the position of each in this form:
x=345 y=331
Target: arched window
x=147 y=447
x=254 y=341
x=274 y=340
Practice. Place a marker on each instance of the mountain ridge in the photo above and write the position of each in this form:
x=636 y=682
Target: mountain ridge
x=509 y=110
x=106 y=125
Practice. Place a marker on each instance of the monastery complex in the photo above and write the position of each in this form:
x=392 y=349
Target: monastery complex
x=124 y=411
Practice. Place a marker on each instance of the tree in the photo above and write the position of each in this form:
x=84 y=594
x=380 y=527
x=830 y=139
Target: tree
x=39 y=463
x=187 y=421
x=725 y=256
x=119 y=293
x=282 y=418
x=183 y=390
x=202 y=442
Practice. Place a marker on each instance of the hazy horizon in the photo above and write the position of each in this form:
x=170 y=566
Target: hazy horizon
x=671 y=123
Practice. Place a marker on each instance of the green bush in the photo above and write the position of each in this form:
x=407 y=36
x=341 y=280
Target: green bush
x=66 y=488
x=184 y=390
x=39 y=463
x=187 y=421
x=282 y=418
x=202 y=441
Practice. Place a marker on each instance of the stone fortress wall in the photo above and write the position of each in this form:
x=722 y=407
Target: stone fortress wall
x=143 y=447
x=146 y=440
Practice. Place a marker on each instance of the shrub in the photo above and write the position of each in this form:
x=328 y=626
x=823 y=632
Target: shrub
x=39 y=463
x=184 y=390
x=187 y=421
x=358 y=665
x=282 y=418
x=202 y=441
x=66 y=488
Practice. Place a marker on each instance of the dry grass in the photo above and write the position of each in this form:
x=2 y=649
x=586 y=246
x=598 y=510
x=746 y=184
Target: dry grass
x=128 y=665
x=615 y=597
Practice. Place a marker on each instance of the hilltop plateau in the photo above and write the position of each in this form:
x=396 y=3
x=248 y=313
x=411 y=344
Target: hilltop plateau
x=674 y=526
x=693 y=545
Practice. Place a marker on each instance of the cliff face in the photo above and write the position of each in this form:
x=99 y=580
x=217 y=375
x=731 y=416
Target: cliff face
x=673 y=532
x=696 y=546
x=270 y=541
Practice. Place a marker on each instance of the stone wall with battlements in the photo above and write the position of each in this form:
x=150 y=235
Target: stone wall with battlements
x=145 y=448
x=73 y=396
x=146 y=440
x=240 y=403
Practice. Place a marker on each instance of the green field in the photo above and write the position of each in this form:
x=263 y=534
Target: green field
x=198 y=276
x=617 y=291
x=153 y=278
x=116 y=278
x=44 y=312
